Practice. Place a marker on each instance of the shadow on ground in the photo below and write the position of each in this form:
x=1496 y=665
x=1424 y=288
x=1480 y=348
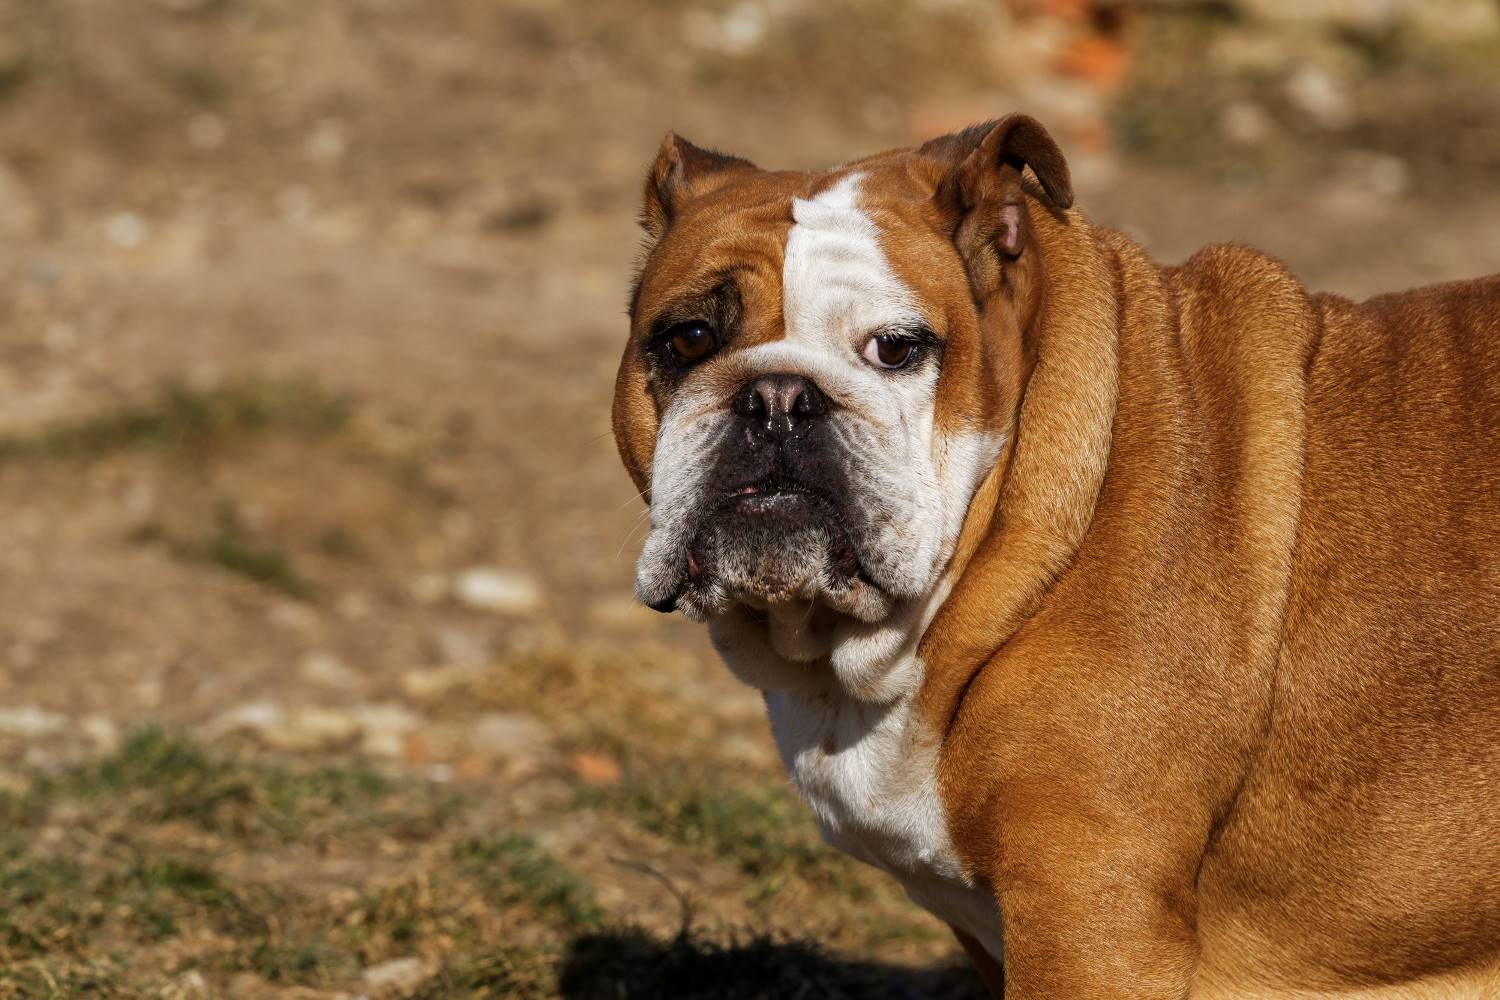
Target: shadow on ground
x=635 y=964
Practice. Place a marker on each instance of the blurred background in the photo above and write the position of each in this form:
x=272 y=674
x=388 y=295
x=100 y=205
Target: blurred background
x=319 y=670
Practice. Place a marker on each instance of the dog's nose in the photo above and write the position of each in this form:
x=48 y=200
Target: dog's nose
x=779 y=406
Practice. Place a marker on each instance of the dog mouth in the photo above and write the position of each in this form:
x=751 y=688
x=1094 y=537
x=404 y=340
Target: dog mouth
x=768 y=542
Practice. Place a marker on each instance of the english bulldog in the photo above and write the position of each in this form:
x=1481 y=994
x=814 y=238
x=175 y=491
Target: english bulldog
x=1143 y=621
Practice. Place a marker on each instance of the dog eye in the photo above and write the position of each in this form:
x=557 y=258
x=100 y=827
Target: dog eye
x=888 y=351
x=690 y=342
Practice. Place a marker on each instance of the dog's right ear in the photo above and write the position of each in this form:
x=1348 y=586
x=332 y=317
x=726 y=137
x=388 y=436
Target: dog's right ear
x=680 y=171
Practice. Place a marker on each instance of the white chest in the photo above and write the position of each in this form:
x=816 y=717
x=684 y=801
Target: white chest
x=870 y=778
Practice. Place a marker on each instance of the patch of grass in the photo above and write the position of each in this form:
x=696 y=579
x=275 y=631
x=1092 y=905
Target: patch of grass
x=165 y=777
x=101 y=978
x=512 y=973
x=523 y=871
x=35 y=915
x=339 y=542
x=164 y=893
x=201 y=86
x=189 y=421
x=15 y=74
x=764 y=830
x=231 y=548
x=300 y=962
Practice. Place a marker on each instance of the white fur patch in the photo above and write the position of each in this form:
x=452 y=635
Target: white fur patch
x=851 y=742
x=847 y=732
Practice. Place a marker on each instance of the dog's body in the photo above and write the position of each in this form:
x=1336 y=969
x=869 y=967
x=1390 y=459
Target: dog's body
x=1149 y=614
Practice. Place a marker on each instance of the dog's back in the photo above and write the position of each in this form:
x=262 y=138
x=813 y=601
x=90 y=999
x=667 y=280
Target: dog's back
x=1368 y=833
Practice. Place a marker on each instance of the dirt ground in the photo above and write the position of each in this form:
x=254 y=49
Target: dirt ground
x=319 y=669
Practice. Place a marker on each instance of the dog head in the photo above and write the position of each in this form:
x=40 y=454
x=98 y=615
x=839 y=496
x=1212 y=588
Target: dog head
x=822 y=370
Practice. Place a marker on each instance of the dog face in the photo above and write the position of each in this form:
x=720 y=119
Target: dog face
x=822 y=369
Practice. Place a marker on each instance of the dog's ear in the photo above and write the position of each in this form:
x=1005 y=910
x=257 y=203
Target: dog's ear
x=680 y=170
x=982 y=188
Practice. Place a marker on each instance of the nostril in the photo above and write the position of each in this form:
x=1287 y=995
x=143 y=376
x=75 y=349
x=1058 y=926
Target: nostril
x=750 y=401
x=808 y=401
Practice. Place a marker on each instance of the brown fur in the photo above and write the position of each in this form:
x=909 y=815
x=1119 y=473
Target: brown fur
x=1218 y=685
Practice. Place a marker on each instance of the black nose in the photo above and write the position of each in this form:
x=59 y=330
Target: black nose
x=779 y=406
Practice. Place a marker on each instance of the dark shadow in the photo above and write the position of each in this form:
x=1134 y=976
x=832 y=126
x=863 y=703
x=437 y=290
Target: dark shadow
x=634 y=965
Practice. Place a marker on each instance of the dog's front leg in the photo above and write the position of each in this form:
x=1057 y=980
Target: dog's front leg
x=1095 y=935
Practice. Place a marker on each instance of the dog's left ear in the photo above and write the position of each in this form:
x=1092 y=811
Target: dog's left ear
x=983 y=190
x=681 y=170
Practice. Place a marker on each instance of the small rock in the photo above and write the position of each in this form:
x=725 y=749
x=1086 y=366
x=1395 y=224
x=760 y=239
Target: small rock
x=487 y=589
x=188 y=986
x=416 y=748
x=1323 y=99
x=400 y=977
x=735 y=31
x=126 y=230
x=595 y=769
x=30 y=721
x=326 y=142
x=293 y=617
x=1245 y=123
x=312 y=729
x=329 y=671
x=508 y=734
x=296 y=204
x=384 y=728
x=148 y=692
x=102 y=731
x=462 y=646
x=431 y=685
x=256 y=717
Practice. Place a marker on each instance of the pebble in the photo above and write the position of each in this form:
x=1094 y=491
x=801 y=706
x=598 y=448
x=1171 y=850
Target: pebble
x=331 y=672
x=1245 y=123
x=462 y=646
x=400 y=977
x=430 y=685
x=30 y=721
x=103 y=731
x=735 y=32
x=252 y=717
x=126 y=230
x=313 y=729
x=1323 y=99
x=384 y=728
x=596 y=769
x=509 y=734
x=326 y=143
x=485 y=588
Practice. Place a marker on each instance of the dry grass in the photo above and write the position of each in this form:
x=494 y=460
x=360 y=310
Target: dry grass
x=172 y=862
